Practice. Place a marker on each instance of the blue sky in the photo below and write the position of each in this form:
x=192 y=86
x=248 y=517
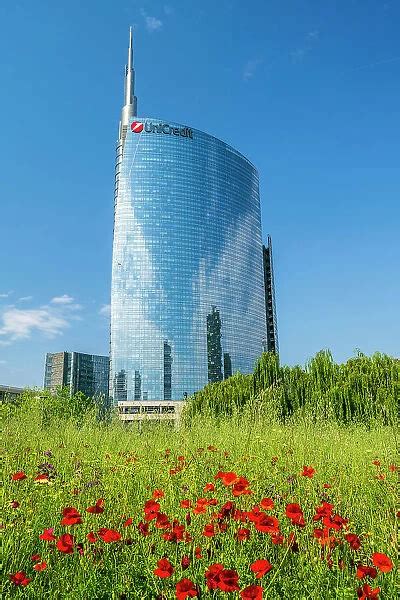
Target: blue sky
x=308 y=90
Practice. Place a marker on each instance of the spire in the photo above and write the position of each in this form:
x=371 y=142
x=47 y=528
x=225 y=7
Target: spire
x=130 y=102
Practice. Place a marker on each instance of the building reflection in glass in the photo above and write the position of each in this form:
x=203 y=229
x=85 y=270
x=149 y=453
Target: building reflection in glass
x=214 y=348
x=167 y=371
x=227 y=365
x=120 y=387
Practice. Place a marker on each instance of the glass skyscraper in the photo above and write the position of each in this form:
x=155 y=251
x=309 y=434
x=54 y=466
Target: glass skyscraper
x=187 y=300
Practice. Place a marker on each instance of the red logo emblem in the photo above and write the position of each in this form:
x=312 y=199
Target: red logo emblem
x=136 y=127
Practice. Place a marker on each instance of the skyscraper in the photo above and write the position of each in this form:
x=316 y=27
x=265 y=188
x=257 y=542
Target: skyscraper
x=86 y=373
x=187 y=252
x=270 y=306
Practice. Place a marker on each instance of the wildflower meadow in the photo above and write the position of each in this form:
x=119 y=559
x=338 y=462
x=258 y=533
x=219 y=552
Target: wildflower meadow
x=249 y=504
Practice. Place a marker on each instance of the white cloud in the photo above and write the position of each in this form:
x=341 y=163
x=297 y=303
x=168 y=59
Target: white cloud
x=49 y=320
x=19 y=324
x=6 y=295
x=105 y=310
x=65 y=299
x=25 y=298
x=152 y=23
x=250 y=68
x=3 y=362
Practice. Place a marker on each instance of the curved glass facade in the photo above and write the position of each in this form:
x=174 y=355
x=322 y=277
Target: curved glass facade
x=187 y=301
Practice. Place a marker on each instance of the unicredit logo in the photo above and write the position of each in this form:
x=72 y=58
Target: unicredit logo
x=165 y=128
x=137 y=127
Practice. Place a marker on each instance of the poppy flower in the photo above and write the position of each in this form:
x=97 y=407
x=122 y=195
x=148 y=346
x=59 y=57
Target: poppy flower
x=367 y=593
x=209 y=530
x=228 y=478
x=327 y=486
x=261 y=567
x=36 y=557
x=185 y=562
x=308 y=471
x=209 y=487
x=91 y=537
x=41 y=566
x=212 y=575
x=97 y=508
x=18 y=476
x=252 y=592
x=185 y=504
x=354 y=541
x=242 y=534
x=392 y=468
x=228 y=580
x=162 y=521
x=48 y=535
x=20 y=578
x=325 y=510
x=382 y=562
x=197 y=552
x=376 y=462
x=164 y=568
x=277 y=539
x=71 y=516
x=185 y=589
x=293 y=511
x=144 y=529
x=366 y=571
x=151 y=509
x=109 y=535
x=267 y=504
x=267 y=524
x=42 y=478
x=128 y=522
x=14 y=504
x=158 y=494
x=65 y=543
x=241 y=487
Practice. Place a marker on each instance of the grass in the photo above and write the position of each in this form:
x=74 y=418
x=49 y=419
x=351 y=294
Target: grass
x=124 y=467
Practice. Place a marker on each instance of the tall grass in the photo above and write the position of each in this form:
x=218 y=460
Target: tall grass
x=363 y=390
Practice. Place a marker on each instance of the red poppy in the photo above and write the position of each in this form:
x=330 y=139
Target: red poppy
x=382 y=562
x=128 y=522
x=308 y=471
x=158 y=494
x=65 y=543
x=354 y=541
x=212 y=448
x=162 y=521
x=97 y=508
x=42 y=478
x=71 y=516
x=366 y=571
x=327 y=486
x=20 y=578
x=267 y=524
x=185 y=562
x=376 y=462
x=48 y=535
x=242 y=534
x=212 y=575
x=109 y=535
x=228 y=581
x=209 y=530
x=151 y=509
x=228 y=478
x=261 y=567
x=185 y=589
x=144 y=528
x=41 y=566
x=277 y=539
x=164 y=568
x=18 y=476
x=293 y=511
x=197 y=552
x=367 y=593
x=267 y=504
x=252 y=592
x=91 y=537
x=335 y=522
x=241 y=487
x=36 y=557
x=209 y=487
x=325 y=510
x=185 y=504
x=14 y=504
x=392 y=468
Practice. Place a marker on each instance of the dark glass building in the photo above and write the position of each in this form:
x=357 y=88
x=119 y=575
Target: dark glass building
x=187 y=299
x=86 y=373
x=271 y=343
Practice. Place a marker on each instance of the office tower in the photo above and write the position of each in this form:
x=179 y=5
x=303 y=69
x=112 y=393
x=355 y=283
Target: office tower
x=86 y=373
x=270 y=306
x=227 y=365
x=187 y=238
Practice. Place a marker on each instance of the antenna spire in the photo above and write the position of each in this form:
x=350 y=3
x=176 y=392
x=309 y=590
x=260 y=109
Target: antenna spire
x=130 y=104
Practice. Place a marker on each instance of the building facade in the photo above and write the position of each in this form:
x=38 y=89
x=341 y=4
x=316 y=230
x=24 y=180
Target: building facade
x=187 y=299
x=86 y=373
x=271 y=341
